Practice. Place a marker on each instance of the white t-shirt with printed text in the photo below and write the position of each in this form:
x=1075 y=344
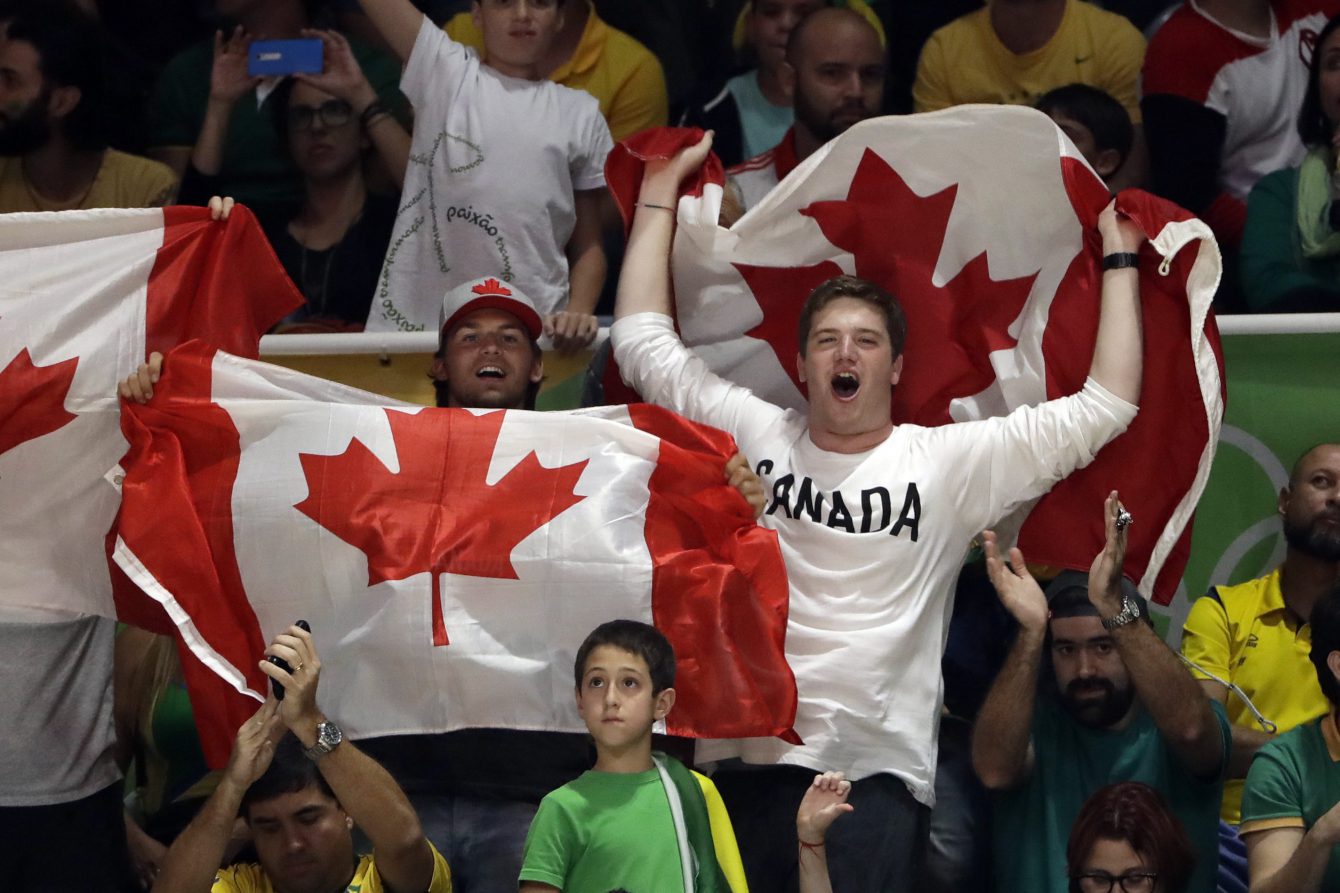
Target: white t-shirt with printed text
x=494 y=163
x=873 y=543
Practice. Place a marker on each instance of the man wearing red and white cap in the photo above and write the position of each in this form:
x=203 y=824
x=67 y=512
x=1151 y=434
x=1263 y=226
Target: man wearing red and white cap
x=488 y=355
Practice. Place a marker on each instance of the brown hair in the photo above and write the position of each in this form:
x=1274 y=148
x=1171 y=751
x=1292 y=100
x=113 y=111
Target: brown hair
x=895 y=323
x=1135 y=813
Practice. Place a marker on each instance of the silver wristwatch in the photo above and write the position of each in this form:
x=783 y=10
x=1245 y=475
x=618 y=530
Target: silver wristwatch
x=328 y=737
x=1130 y=612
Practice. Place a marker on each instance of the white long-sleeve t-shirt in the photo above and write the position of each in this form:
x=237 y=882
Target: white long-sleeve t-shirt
x=873 y=543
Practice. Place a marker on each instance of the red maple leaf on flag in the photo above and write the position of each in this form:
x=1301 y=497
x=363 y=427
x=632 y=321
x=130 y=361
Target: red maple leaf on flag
x=951 y=328
x=438 y=513
x=32 y=399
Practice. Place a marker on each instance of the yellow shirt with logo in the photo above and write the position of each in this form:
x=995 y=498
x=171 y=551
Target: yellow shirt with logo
x=123 y=181
x=251 y=878
x=1244 y=634
x=622 y=74
x=965 y=62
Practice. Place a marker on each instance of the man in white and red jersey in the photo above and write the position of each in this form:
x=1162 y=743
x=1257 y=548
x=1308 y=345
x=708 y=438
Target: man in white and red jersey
x=835 y=74
x=1223 y=82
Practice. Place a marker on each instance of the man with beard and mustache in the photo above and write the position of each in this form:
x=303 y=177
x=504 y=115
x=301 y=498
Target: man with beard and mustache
x=1116 y=705
x=1252 y=639
x=834 y=72
x=54 y=115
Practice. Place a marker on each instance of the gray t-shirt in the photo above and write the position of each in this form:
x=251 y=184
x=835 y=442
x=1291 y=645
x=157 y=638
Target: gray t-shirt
x=56 y=702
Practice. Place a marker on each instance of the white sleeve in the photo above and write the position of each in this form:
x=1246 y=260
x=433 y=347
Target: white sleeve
x=653 y=360
x=435 y=67
x=593 y=147
x=1018 y=457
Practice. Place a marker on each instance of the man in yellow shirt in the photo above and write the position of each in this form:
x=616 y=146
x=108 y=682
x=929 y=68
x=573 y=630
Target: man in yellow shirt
x=1255 y=637
x=622 y=74
x=301 y=791
x=1014 y=51
x=53 y=149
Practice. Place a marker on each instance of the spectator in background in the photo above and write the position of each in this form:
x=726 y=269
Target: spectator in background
x=509 y=173
x=252 y=165
x=587 y=54
x=156 y=735
x=1223 y=81
x=1126 y=834
x=54 y=118
x=1096 y=123
x=834 y=73
x=1014 y=51
x=1291 y=243
x=333 y=125
x=333 y=248
x=301 y=787
x=1248 y=644
x=1291 y=805
x=1115 y=705
x=753 y=111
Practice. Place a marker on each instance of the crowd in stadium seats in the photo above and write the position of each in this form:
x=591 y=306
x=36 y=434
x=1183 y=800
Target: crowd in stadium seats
x=441 y=167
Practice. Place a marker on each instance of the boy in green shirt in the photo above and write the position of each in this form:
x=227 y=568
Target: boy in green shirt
x=638 y=820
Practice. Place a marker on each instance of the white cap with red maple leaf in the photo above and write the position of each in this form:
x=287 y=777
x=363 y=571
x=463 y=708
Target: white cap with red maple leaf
x=478 y=294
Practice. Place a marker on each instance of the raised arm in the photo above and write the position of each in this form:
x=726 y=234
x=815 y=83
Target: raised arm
x=366 y=791
x=398 y=21
x=228 y=82
x=1291 y=860
x=1173 y=698
x=1002 y=749
x=1118 y=353
x=343 y=78
x=194 y=857
x=644 y=282
x=824 y=802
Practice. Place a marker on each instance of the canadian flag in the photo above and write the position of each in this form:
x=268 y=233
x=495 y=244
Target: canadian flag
x=83 y=296
x=450 y=562
x=981 y=220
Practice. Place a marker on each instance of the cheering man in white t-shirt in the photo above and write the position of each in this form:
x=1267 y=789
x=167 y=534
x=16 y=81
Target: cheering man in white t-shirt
x=506 y=172
x=874 y=521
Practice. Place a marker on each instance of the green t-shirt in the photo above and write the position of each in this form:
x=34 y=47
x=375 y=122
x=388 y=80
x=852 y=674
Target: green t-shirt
x=1293 y=781
x=257 y=170
x=603 y=831
x=1071 y=762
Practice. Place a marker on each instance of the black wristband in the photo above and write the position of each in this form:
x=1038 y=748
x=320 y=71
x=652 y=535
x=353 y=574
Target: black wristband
x=373 y=109
x=1120 y=260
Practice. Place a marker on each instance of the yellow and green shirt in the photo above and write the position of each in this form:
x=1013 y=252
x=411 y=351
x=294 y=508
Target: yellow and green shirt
x=1244 y=634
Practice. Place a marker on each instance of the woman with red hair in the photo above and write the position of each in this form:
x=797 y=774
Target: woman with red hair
x=1126 y=839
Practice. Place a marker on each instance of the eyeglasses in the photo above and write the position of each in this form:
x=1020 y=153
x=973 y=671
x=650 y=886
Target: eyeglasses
x=332 y=113
x=1131 y=882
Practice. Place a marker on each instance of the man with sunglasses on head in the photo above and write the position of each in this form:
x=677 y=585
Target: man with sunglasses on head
x=1090 y=695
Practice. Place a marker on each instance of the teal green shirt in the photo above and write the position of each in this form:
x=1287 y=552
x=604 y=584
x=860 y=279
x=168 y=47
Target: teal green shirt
x=762 y=124
x=1293 y=781
x=1071 y=762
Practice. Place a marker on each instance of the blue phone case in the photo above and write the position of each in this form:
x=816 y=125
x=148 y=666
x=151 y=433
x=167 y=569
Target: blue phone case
x=279 y=57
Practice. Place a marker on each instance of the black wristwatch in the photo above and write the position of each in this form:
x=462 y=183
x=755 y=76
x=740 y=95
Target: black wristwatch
x=328 y=737
x=1120 y=260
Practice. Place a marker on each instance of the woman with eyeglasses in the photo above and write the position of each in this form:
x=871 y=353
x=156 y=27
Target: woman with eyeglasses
x=1126 y=839
x=335 y=128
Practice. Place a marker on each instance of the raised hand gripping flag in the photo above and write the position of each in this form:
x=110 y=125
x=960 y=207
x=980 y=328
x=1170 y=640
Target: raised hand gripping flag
x=449 y=561
x=981 y=220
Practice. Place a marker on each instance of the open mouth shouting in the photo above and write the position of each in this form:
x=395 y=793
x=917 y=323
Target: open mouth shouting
x=845 y=385
x=493 y=372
